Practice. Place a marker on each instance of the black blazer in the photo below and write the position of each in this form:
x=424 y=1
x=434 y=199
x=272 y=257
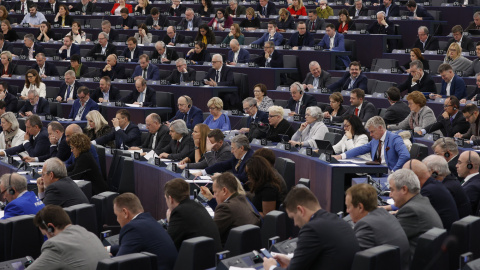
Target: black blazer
x=271 y=9
x=431 y=44
x=68 y=20
x=196 y=22
x=368 y=111
x=441 y=200
x=18 y=5
x=86 y=168
x=129 y=137
x=474 y=94
x=461 y=200
x=283 y=128
x=148 y=8
x=340 y=111
x=12 y=68
x=61 y=150
x=162 y=139
x=78 y=7
x=117 y=72
x=7 y=46
x=376 y=28
x=323 y=80
x=96 y=51
x=472 y=189
x=113 y=95
x=186 y=148
x=162 y=21
x=174 y=77
x=203 y=56
x=307 y=101
x=34 y=147
x=363 y=11
x=11 y=35
x=172 y=55
x=136 y=54
x=48 y=7
x=179 y=38
x=393 y=11
x=177 y=12
x=226 y=76
x=426 y=84
x=36 y=47
x=467 y=44
x=150 y=97
x=63 y=89
x=319 y=23
x=50 y=69
x=11 y=102
x=396 y=113
x=459 y=124
x=130 y=22
x=43 y=107
x=229 y=165
x=113 y=35
x=64 y=192
x=275 y=62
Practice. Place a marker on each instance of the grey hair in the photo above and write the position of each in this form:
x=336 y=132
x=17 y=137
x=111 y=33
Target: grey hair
x=297 y=85
x=179 y=126
x=446 y=144
x=30 y=36
x=438 y=164
x=41 y=54
x=476 y=14
x=250 y=100
x=417 y=63
x=233 y=1
x=155 y=117
x=56 y=166
x=405 y=177
x=241 y=141
x=270 y=43
x=106 y=22
x=70 y=73
x=105 y=35
x=234 y=41
x=313 y=63
x=10 y=118
x=189 y=9
x=383 y=13
x=323 y=1
x=34 y=92
x=358 y=1
x=315 y=112
x=181 y=61
x=219 y=56
x=16 y=181
x=478 y=74
x=160 y=43
x=424 y=29
x=375 y=121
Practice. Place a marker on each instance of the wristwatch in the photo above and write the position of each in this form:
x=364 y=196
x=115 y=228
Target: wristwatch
x=196 y=148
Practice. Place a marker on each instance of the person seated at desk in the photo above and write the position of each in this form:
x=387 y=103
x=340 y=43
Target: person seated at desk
x=172 y=37
x=7 y=31
x=235 y=33
x=84 y=6
x=394 y=158
x=344 y=22
x=74 y=129
x=251 y=22
x=35 y=105
x=33 y=82
x=256 y=117
x=475 y=24
x=420 y=117
x=11 y=135
x=271 y=35
x=96 y=127
x=302 y=38
x=30 y=48
x=143 y=96
x=132 y=52
x=117 y=8
x=465 y=42
x=20 y=200
x=103 y=48
x=205 y=35
x=45 y=32
x=44 y=68
x=82 y=105
x=58 y=144
x=450 y=122
x=182 y=73
x=63 y=17
x=192 y=115
x=352 y=79
x=471 y=182
x=416 y=54
x=335 y=108
x=10 y=101
x=237 y=54
x=217 y=119
x=358 y=106
x=217 y=150
x=382 y=25
x=113 y=70
x=35 y=142
x=285 y=21
x=234 y=9
x=78 y=67
x=297 y=8
x=447 y=149
x=452 y=84
x=316 y=78
x=7 y=69
x=143 y=7
x=260 y=94
x=126 y=133
x=107 y=29
x=455 y=59
x=158 y=135
x=334 y=41
x=106 y=92
x=279 y=127
x=34 y=17
x=69 y=88
x=146 y=71
x=220 y=75
x=181 y=145
x=163 y=53
x=417 y=80
x=314 y=23
x=265 y=8
x=391 y=9
x=418 y=12
x=299 y=101
x=358 y=9
x=474 y=95
x=324 y=11
x=155 y=20
x=355 y=136
x=470 y=112
x=474 y=68
x=311 y=130
x=199 y=136
x=426 y=42
x=398 y=110
x=221 y=21
x=177 y=9
x=272 y=58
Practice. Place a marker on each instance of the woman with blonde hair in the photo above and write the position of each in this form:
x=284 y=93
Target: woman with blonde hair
x=33 y=82
x=6 y=67
x=455 y=58
x=200 y=139
x=279 y=127
x=143 y=7
x=297 y=8
x=97 y=126
x=217 y=119
x=285 y=21
x=251 y=22
x=235 y=33
x=11 y=135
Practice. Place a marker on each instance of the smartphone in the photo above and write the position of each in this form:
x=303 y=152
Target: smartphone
x=266 y=253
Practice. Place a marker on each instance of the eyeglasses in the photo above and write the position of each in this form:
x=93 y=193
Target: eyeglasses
x=211 y=108
x=247 y=108
x=271 y=116
x=307 y=114
x=446 y=106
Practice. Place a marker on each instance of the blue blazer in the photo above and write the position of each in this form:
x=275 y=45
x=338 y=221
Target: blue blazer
x=27 y=204
x=34 y=148
x=243 y=56
x=130 y=137
x=342 y=84
x=136 y=54
x=458 y=88
x=393 y=11
x=90 y=106
x=153 y=73
x=423 y=13
x=71 y=159
x=338 y=45
x=194 y=116
x=229 y=165
x=277 y=38
x=395 y=151
x=75 y=49
x=260 y=117
x=144 y=233
x=472 y=189
x=308 y=40
x=222 y=123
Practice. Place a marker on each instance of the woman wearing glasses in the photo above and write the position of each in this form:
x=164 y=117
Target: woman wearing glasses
x=313 y=129
x=33 y=82
x=279 y=127
x=263 y=101
x=217 y=119
x=355 y=136
x=455 y=58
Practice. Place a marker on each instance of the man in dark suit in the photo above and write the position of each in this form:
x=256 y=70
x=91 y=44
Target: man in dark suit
x=125 y=21
x=163 y=54
x=254 y=116
x=5 y=45
x=390 y=9
x=10 y=100
x=358 y=9
x=300 y=101
x=371 y=221
x=190 y=21
x=113 y=69
x=68 y=49
x=182 y=213
x=234 y=9
x=44 y=68
x=182 y=73
x=143 y=95
x=382 y=25
x=172 y=37
x=272 y=58
x=418 y=80
x=34 y=105
x=316 y=78
x=455 y=84
x=426 y=42
x=68 y=89
x=270 y=35
x=106 y=92
x=221 y=75
x=301 y=38
x=398 y=109
x=465 y=42
x=324 y=241
x=23 y=6
x=82 y=105
x=266 y=8
x=30 y=48
x=358 y=106
x=467 y=167
x=155 y=20
x=177 y=9
x=470 y=112
x=237 y=54
x=181 y=145
x=103 y=48
x=141 y=232
x=158 y=136
x=126 y=133
x=20 y=200
x=418 y=12
x=59 y=147
x=84 y=6
x=107 y=29
x=55 y=187
x=145 y=70
x=132 y=52
x=450 y=122
x=448 y=149
x=192 y=115
x=36 y=137
x=314 y=23
x=52 y=6
x=351 y=79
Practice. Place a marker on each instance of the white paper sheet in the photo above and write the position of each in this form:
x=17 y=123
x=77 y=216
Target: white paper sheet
x=133 y=105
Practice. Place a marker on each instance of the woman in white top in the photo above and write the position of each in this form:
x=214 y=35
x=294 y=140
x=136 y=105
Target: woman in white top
x=11 y=135
x=355 y=136
x=33 y=82
x=77 y=34
x=313 y=129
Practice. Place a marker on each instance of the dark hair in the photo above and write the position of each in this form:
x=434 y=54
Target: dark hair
x=124 y=113
x=454 y=101
x=344 y=12
x=124 y=10
x=208 y=3
x=330 y=25
x=52 y=214
x=132 y=39
x=49 y=26
x=262 y=87
x=470 y=108
x=418 y=53
x=144 y=27
x=444 y=67
x=2 y=104
x=266 y=153
x=272 y=22
x=393 y=93
x=76 y=58
x=300 y=196
x=65 y=8
x=356 y=125
x=2 y=37
x=34 y=72
x=359 y=93
x=411 y=3
x=260 y=173
x=154 y=11
x=201 y=45
x=355 y=63
x=216 y=134
x=83 y=89
x=225 y=14
x=209 y=34
x=34 y=121
x=178 y=189
x=227 y=180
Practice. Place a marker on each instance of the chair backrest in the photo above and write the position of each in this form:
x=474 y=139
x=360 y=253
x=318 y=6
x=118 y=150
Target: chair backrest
x=124 y=93
x=115 y=172
x=103 y=161
x=249 y=40
x=286 y=168
x=280 y=102
x=350 y=46
x=241 y=81
x=196 y=253
x=243 y=239
x=429 y=245
x=418 y=151
x=467 y=233
x=142 y=260
x=21 y=70
x=52 y=91
x=104 y=208
x=164 y=73
x=19 y=238
x=86 y=187
x=378 y=258
x=166 y=99
x=273 y=225
x=379 y=63
x=334 y=138
x=382 y=86
x=127 y=179
x=371 y=84
x=290 y=61
x=434 y=64
x=84 y=215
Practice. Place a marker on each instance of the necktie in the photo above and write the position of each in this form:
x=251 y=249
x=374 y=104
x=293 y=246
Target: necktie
x=80 y=112
x=35 y=108
x=23 y=8
x=297 y=107
x=357 y=12
x=356 y=111
x=181 y=77
x=84 y=8
x=315 y=83
x=145 y=73
x=185 y=117
x=68 y=92
x=451 y=120
x=264 y=11
x=154 y=140
x=313 y=25
x=217 y=76
x=173 y=40
x=378 y=155
x=238 y=165
x=140 y=97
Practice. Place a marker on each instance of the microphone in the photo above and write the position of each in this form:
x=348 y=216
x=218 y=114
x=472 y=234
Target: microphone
x=286 y=133
x=107 y=227
x=82 y=172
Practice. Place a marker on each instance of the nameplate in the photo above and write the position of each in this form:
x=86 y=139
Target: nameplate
x=130 y=80
x=296 y=117
x=96 y=79
x=49 y=117
x=136 y=155
x=436 y=136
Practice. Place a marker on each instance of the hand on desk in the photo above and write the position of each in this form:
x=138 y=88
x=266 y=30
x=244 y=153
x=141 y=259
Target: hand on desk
x=211 y=82
x=282 y=259
x=29 y=159
x=457 y=135
x=197 y=174
x=338 y=157
x=244 y=130
x=163 y=155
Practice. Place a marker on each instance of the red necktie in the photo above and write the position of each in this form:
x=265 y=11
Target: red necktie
x=356 y=111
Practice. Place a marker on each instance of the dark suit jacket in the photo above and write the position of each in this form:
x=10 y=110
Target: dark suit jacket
x=307 y=101
x=130 y=137
x=277 y=39
x=174 y=77
x=342 y=84
x=194 y=116
x=368 y=111
x=64 y=192
x=472 y=189
x=319 y=23
x=18 y=5
x=396 y=113
x=113 y=95
x=271 y=9
x=467 y=44
x=179 y=11
x=259 y=117
x=308 y=40
x=113 y=35
x=276 y=60
x=226 y=76
x=452 y=165
x=426 y=84
x=7 y=46
x=189 y=212
x=96 y=51
x=63 y=89
x=43 y=107
x=394 y=10
x=441 y=200
x=150 y=97
x=162 y=21
x=422 y=13
x=376 y=28
x=12 y=69
x=363 y=11
x=61 y=150
x=431 y=44
x=224 y=153
x=50 y=69
x=461 y=200
x=90 y=106
x=459 y=124
x=83 y=162
x=243 y=56
x=144 y=233
x=153 y=72
x=75 y=49
x=283 y=128
x=47 y=6
x=34 y=148
x=37 y=48
x=457 y=88
x=197 y=21
x=323 y=80
x=117 y=72
x=179 y=38
x=130 y=22
x=325 y=242
x=136 y=54
x=162 y=139
x=11 y=102
x=79 y=6
x=229 y=165
x=172 y=55
x=186 y=148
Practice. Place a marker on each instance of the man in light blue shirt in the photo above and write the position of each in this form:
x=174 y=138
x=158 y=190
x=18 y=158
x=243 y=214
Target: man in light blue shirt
x=33 y=18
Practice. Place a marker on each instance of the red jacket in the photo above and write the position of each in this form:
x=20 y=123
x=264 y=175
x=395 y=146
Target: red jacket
x=115 y=6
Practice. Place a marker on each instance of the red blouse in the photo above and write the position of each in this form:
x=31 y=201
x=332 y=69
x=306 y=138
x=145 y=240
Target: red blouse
x=115 y=6
x=342 y=29
x=301 y=12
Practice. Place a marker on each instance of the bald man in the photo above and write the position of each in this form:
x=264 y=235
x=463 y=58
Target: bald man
x=187 y=112
x=471 y=183
x=237 y=54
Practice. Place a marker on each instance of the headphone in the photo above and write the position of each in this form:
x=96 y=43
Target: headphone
x=50 y=229
x=189 y=101
x=469 y=162
x=434 y=174
x=11 y=191
x=299 y=87
x=447 y=154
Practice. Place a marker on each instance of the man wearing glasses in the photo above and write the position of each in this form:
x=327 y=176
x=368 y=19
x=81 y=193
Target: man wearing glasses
x=254 y=116
x=470 y=112
x=301 y=38
x=426 y=42
x=19 y=200
x=192 y=115
x=418 y=80
x=82 y=105
x=103 y=48
x=182 y=73
x=271 y=58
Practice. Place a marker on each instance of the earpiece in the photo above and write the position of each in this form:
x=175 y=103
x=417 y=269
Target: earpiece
x=189 y=100
x=434 y=174
x=447 y=154
x=11 y=191
x=469 y=163
x=50 y=229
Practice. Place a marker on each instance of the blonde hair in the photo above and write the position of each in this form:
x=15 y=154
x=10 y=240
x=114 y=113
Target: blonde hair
x=97 y=119
x=8 y=54
x=276 y=110
x=457 y=47
x=215 y=101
